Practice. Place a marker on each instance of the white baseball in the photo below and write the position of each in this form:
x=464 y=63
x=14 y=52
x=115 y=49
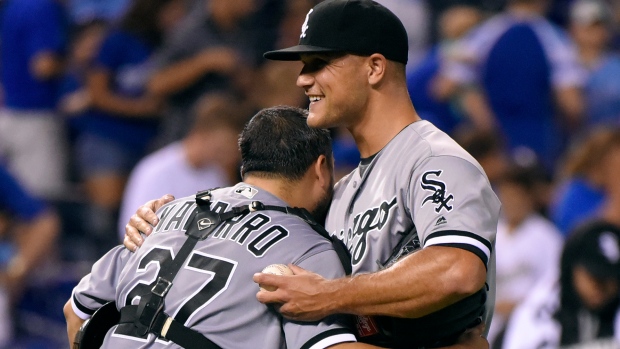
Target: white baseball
x=275 y=269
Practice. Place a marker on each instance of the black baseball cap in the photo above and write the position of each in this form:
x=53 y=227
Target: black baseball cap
x=352 y=26
x=596 y=246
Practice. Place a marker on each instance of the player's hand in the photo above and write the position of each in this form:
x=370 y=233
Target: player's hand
x=304 y=296
x=143 y=221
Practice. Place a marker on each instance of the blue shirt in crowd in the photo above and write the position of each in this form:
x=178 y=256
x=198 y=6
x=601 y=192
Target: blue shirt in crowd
x=30 y=27
x=126 y=58
x=15 y=201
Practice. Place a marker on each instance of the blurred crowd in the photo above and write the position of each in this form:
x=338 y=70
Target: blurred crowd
x=108 y=104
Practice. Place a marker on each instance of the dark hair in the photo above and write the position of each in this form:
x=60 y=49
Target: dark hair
x=479 y=143
x=142 y=18
x=582 y=247
x=277 y=142
x=523 y=177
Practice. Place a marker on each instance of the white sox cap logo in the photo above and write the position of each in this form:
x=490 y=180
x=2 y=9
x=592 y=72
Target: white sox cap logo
x=204 y=223
x=304 y=27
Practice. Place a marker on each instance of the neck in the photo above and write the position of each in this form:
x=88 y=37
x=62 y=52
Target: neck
x=281 y=188
x=590 y=56
x=388 y=113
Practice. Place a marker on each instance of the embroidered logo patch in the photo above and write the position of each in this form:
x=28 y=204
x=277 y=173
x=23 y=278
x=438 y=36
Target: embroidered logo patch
x=438 y=197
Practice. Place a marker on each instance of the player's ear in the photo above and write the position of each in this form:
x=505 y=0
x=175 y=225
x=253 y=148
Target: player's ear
x=323 y=171
x=377 y=65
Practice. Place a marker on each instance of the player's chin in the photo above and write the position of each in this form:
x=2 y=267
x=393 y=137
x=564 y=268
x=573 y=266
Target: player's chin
x=317 y=119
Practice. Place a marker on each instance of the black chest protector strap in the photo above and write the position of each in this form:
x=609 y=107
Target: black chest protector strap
x=148 y=316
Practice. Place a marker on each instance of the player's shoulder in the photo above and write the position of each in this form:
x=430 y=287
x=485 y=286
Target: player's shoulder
x=430 y=144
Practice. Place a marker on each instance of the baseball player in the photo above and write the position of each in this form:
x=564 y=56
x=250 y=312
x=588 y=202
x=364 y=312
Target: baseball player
x=415 y=190
x=212 y=292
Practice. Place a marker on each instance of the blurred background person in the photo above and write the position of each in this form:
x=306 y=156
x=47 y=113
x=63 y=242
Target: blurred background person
x=272 y=80
x=27 y=239
x=528 y=246
x=74 y=100
x=84 y=11
x=580 y=306
x=591 y=26
x=208 y=157
x=122 y=122
x=33 y=34
x=216 y=48
x=488 y=149
x=416 y=18
x=520 y=75
x=453 y=24
x=585 y=185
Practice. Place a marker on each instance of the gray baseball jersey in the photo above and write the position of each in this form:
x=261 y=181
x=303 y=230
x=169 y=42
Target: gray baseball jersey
x=422 y=180
x=213 y=293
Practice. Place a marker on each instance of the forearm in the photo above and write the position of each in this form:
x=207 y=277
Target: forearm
x=178 y=77
x=73 y=322
x=570 y=103
x=128 y=107
x=34 y=242
x=420 y=284
x=103 y=98
x=475 y=105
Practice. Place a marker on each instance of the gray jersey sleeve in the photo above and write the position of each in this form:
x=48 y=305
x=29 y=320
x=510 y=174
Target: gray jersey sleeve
x=330 y=331
x=99 y=287
x=454 y=205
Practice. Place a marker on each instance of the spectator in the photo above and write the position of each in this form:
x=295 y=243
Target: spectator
x=211 y=51
x=83 y=11
x=31 y=236
x=206 y=158
x=521 y=67
x=453 y=24
x=118 y=129
x=32 y=137
x=74 y=101
x=580 y=308
x=528 y=246
x=580 y=191
x=488 y=149
x=415 y=16
x=273 y=81
x=591 y=27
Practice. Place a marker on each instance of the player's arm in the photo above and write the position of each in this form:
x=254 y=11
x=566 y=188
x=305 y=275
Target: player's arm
x=419 y=284
x=182 y=74
x=74 y=322
x=104 y=98
x=143 y=221
x=450 y=267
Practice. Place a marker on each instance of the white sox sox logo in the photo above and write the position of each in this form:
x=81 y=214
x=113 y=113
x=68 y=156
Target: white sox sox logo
x=438 y=189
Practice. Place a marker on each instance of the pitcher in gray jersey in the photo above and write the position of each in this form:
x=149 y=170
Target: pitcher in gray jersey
x=416 y=183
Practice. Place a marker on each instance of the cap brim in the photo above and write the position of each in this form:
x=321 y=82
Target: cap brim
x=293 y=53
